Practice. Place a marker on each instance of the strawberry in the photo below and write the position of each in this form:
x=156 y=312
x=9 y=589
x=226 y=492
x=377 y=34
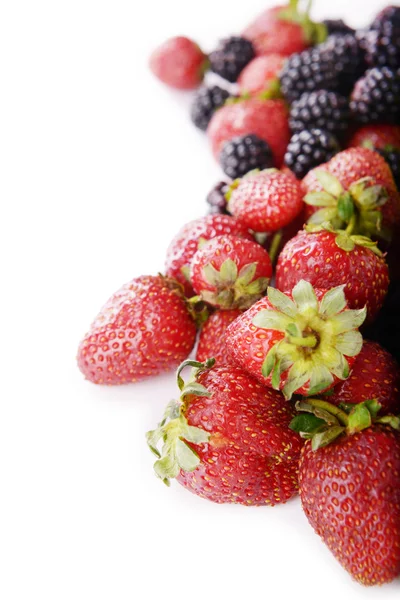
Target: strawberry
x=260 y=73
x=266 y=201
x=350 y=485
x=268 y=119
x=376 y=136
x=180 y=63
x=230 y=272
x=212 y=341
x=227 y=439
x=144 y=329
x=186 y=243
x=375 y=374
x=303 y=342
x=358 y=193
x=326 y=259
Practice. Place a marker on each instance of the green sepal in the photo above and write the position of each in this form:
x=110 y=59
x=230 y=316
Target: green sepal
x=323 y=438
x=306 y=423
x=359 y=418
x=392 y=420
x=210 y=362
x=345 y=207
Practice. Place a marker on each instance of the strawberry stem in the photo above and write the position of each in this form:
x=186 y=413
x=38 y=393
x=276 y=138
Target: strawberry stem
x=274 y=248
x=309 y=341
x=330 y=408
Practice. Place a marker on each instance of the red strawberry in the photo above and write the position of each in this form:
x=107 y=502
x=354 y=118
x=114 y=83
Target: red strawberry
x=260 y=73
x=268 y=119
x=266 y=201
x=212 y=343
x=230 y=272
x=375 y=374
x=303 y=342
x=144 y=329
x=179 y=63
x=186 y=243
x=376 y=136
x=228 y=439
x=327 y=260
x=360 y=194
x=350 y=486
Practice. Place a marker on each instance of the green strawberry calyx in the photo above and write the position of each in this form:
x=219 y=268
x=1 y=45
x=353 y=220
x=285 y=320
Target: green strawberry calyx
x=356 y=210
x=314 y=33
x=318 y=336
x=174 y=431
x=322 y=422
x=345 y=241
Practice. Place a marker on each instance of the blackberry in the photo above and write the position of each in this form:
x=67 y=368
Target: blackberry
x=320 y=110
x=376 y=96
x=308 y=149
x=230 y=57
x=392 y=157
x=216 y=199
x=387 y=21
x=243 y=154
x=337 y=26
x=382 y=50
x=205 y=103
x=308 y=71
x=347 y=53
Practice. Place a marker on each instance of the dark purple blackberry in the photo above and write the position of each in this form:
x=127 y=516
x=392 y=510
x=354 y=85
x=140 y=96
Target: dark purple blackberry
x=387 y=21
x=308 y=71
x=308 y=149
x=337 y=26
x=382 y=50
x=205 y=103
x=230 y=57
x=392 y=157
x=216 y=199
x=376 y=96
x=320 y=110
x=243 y=154
x=348 y=55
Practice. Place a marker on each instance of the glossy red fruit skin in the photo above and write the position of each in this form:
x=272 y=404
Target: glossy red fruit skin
x=350 y=493
x=268 y=119
x=375 y=374
x=242 y=252
x=353 y=164
x=267 y=201
x=317 y=258
x=179 y=63
x=144 y=329
x=379 y=135
x=252 y=454
x=186 y=243
x=212 y=343
x=259 y=73
x=248 y=345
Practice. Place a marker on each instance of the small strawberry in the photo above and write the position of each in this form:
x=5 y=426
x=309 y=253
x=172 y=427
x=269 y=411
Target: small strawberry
x=144 y=329
x=375 y=374
x=260 y=73
x=375 y=136
x=327 y=259
x=230 y=272
x=212 y=341
x=266 y=201
x=188 y=240
x=180 y=63
x=350 y=485
x=268 y=119
x=227 y=439
x=303 y=342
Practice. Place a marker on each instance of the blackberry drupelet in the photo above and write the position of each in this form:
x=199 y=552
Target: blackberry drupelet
x=230 y=57
x=376 y=96
x=321 y=109
x=217 y=200
x=308 y=71
x=205 y=103
x=392 y=157
x=308 y=149
x=337 y=26
x=347 y=53
x=382 y=50
x=243 y=154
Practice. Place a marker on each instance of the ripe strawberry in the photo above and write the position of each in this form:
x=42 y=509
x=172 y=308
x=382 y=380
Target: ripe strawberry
x=212 y=341
x=358 y=193
x=376 y=136
x=268 y=119
x=303 y=342
x=260 y=73
x=326 y=259
x=180 y=63
x=144 y=329
x=188 y=240
x=228 y=439
x=375 y=374
x=230 y=272
x=266 y=201
x=350 y=486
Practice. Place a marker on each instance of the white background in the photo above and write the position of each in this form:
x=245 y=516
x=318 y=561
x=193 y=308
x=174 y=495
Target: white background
x=100 y=166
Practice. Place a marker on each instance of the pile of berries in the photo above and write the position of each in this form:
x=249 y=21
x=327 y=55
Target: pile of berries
x=284 y=299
